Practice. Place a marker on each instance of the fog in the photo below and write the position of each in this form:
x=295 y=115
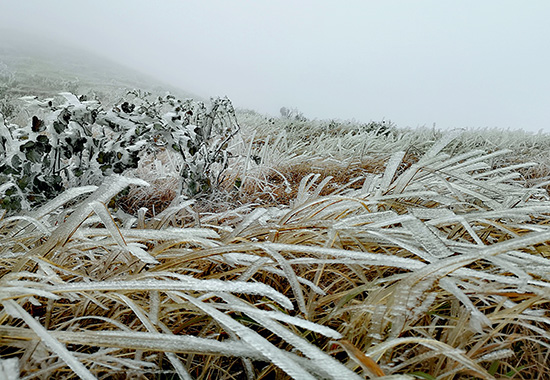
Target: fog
x=417 y=63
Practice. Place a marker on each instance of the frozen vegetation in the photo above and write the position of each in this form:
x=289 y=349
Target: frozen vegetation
x=153 y=237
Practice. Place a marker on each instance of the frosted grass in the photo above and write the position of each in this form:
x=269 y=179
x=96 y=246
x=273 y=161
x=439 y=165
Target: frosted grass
x=18 y=312
x=424 y=264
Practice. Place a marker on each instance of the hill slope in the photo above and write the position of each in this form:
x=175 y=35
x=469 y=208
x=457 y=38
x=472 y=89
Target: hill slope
x=31 y=66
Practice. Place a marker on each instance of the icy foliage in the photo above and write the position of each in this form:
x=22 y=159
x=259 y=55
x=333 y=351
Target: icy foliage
x=72 y=141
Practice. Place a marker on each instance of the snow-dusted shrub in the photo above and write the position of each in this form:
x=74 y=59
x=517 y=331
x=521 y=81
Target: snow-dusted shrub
x=292 y=114
x=74 y=141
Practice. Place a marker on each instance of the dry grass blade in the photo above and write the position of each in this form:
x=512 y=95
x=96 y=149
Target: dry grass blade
x=368 y=365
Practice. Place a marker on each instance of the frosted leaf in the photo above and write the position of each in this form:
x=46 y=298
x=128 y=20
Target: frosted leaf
x=488 y=202
x=141 y=254
x=290 y=276
x=432 y=213
x=484 y=157
x=506 y=265
x=491 y=173
x=408 y=295
x=154 y=307
x=28 y=98
x=238 y=258
x=391 y=169
x=255 y=215
x=360 y=257
x=110 y=225
x=29 y=221
x=9 y=369
x=429 y=240
x=238 y=305
x=514 y=244
x=301 y=280
x=190 y=283
x=389 y=221
x=434 y=345
x=325 y=362
x=365 y=218
x=496 y=355
x=458 y=158
x=107 y=220
x=174 y=234
x=17 y=311
x=428 y=301
x=442 y=143
x=255 y=340
x=384 y=235
x=478 y=320
x=110 y=187
x=152 y=341
x=34 y=301
x=371 y=184
x=14 y=290
x=72 y=100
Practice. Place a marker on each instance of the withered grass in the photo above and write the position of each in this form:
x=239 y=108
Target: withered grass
x=411 y=264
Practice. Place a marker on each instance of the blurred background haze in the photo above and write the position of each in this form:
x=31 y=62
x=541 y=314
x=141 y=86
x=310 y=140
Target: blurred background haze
x=417 y=63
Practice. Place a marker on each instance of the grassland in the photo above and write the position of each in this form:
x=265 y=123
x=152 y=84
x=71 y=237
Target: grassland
x=330 y=251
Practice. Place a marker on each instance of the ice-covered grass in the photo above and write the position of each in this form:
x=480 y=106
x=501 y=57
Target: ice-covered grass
x=345 y=255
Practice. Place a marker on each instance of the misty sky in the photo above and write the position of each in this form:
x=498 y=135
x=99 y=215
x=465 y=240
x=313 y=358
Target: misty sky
x=453 y=63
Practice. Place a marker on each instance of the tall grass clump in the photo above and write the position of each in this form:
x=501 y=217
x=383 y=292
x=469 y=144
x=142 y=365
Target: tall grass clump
x=349 y=256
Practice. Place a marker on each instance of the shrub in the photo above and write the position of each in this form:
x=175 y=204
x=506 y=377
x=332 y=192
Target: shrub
x=74 y=141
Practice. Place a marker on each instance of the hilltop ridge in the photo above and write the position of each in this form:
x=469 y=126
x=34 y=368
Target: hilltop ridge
x=32 y=65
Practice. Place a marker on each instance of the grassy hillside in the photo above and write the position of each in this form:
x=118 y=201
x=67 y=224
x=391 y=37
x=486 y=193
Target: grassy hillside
x=328 y=249
x=42 y=67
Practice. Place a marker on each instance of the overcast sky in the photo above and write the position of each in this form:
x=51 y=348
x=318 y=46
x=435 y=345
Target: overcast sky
x=453 y=63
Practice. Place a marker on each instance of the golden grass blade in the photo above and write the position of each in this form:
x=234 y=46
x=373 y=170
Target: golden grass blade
x=368 y=365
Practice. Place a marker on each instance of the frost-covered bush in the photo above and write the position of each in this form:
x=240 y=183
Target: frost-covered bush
x=73 y=141
x=292 y=114
x=378 y=128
